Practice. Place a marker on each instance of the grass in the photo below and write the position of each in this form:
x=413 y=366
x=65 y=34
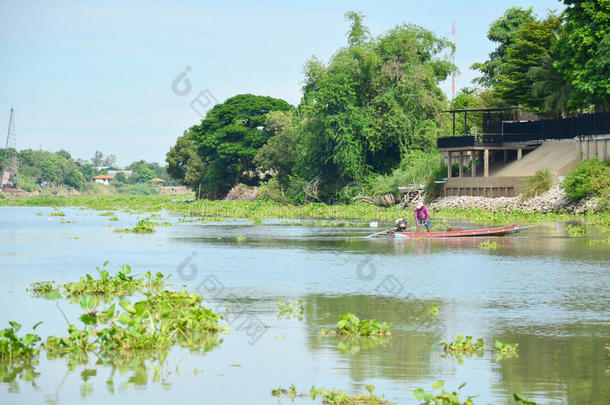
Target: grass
x=537 y=184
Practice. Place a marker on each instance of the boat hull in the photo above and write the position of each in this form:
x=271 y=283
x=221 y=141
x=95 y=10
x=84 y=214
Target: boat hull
x=498 y=231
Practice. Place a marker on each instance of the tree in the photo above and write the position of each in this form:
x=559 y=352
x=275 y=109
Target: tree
x=229 y=137
x=97 y=159
x=375 y=100
x=502 y=31
x=530 y=48
x=279 y=153
x=109 y=161
x=184 y=164
x=586 y=51
x=120 y=177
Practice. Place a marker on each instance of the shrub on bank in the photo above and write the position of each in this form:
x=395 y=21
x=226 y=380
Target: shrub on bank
x=591 y=177
x=537 y=184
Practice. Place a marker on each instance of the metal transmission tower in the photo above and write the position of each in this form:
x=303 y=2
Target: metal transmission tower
x=9 y=173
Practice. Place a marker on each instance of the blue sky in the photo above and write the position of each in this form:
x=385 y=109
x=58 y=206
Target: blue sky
x=86 y=76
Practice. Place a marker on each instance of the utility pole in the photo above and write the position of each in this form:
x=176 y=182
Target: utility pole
x=11 y=167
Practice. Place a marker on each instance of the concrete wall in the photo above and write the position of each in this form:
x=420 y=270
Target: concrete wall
x=484 y=186
x=594 y=146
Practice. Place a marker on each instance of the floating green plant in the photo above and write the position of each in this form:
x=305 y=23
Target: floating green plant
x=15 y=347
x=441 y=397
x=350 y=325
x=107 y=214
x=143 y=226
x=240 y=238
x=333 y=397
x=576 y=230
x=291 y=309
x=63 y=221
x=523 y=400
x=434 y=310
x=114 y=219
x=505 y=350
x=464 y=346
x=488 y=245
x=57 y=214
x=41 y=288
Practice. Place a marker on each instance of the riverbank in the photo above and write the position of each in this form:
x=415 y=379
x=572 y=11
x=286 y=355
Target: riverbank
x=256 y=211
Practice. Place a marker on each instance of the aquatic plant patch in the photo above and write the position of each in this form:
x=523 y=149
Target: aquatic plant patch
x=41 y=288
x=438 y=396
x=576 y=230
x=464 y=346
x=291 y=309
x=13 y=346
x=333 y=397
x=350 y=325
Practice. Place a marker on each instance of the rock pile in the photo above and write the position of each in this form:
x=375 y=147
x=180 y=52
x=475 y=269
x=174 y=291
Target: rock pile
x=554 y=200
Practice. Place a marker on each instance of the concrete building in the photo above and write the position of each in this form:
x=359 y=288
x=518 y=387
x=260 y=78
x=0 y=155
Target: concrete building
x=102 y=179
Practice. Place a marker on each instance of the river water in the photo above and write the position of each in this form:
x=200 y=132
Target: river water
x=542 y=289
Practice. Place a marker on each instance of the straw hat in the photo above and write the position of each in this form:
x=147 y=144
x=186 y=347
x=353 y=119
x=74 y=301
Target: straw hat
x=419 y=205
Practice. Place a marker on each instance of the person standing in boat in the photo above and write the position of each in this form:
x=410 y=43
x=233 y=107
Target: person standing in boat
x=422 y=216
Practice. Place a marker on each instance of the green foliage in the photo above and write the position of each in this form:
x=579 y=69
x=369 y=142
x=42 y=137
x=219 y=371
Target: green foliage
x=538 y=183
x=464 y=346
x=279 y=152
x=333 y=397
x=142 y=226
x=350 y=325
x=442 y=397
x=591 y=177
x=576 y=230
x=518 y=398
x=291 y=309
x=135 y=189
x=41 y=288
x=228 y=139
x=15 y=347
x=26 y=183
x=55 y=168
x=586 y=50
x=505 y=350
x=272 y=190
x=240 y=238
x=417 y=167
x=122 y=283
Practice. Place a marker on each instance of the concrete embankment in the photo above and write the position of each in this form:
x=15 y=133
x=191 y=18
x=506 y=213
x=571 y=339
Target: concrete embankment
x=554 y=199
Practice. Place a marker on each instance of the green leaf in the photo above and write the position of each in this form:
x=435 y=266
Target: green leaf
x=128 y=307
x=110 y=312
x=15 y=325
x=87 y=301
x=88 y=319
x=125 y=269
x=36 y=325
x=140 y=308
x=438 y=385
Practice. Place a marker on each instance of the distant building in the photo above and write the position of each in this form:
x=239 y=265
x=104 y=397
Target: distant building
x=102 y=178
x=156 y=182
x=113 y=172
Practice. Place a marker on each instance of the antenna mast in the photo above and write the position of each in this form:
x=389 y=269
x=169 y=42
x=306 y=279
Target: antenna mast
x=453 y=61
x=11 y=168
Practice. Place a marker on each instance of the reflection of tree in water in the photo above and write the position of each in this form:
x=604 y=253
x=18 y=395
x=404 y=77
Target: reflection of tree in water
x=405 y=355
x=563 y=369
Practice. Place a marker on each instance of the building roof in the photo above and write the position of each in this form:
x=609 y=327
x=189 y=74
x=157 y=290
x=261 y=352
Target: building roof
x=103 y=176
x=157 y=180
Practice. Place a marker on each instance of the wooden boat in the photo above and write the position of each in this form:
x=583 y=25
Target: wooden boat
x=499 y=231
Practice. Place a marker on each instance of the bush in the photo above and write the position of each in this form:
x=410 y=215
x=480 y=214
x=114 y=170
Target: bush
x=416 y=167
x=26 y=183
x=591 y=177
x=537 y=184
x=271 y=190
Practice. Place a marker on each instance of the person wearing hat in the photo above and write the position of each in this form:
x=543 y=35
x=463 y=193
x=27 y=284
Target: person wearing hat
x=422 y=216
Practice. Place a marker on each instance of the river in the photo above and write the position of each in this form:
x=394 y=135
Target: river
x=542 y=289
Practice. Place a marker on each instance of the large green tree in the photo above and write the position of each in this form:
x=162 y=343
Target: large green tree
x=376 y=99
x=586 y=51
x=229 y=137
x=503 y=32
x=184 y=164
